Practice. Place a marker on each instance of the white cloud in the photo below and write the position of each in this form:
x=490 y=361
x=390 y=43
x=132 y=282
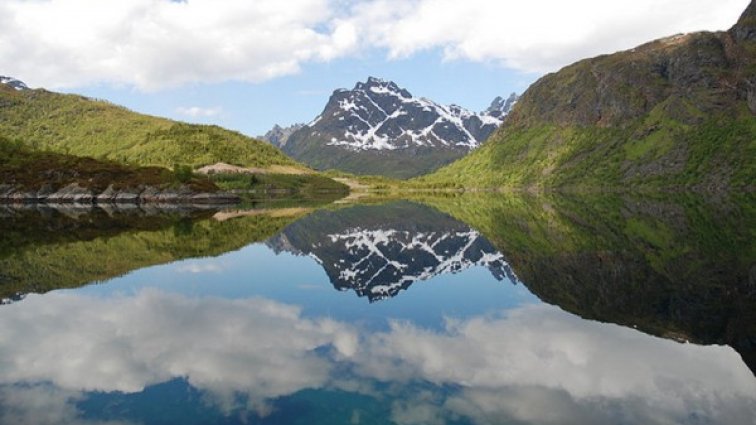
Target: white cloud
x=534 y=35
x=153 y=44
x=198 y=111
x=44 y=405
x=157 y=43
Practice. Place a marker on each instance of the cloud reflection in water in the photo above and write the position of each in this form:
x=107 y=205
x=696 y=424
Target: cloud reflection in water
x=535 y=364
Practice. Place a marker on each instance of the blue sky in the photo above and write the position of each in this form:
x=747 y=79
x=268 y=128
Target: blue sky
x=249 y=64
x=254 y=108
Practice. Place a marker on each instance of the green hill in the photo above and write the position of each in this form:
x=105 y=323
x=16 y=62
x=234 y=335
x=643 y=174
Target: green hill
x=81 y=126
x=27 y=170
x=674 y=113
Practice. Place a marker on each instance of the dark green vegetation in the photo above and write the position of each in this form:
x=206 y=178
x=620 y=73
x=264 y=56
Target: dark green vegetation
x=677 y=113
x=80 y=126
x=402 y=164
x=25 y=169
x=677 y=267
x=49 y=249
x=260 y=184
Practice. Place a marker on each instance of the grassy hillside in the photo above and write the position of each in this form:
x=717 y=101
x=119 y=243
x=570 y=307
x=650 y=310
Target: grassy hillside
x=716 y=154
x=80 y=126
x=304 y=184
x=25 y=169
x=674 y=113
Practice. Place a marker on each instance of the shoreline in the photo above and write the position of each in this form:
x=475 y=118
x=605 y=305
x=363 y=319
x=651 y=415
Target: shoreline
x=73 y=194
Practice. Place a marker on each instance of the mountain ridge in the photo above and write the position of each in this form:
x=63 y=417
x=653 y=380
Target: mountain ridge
x=675 y=113
x=380 y=128
x=278 y=136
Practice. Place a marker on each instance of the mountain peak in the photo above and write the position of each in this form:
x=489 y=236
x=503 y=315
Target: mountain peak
x=14 y=83
x=500 y=107
x=279 y=136
x=378 y=125
x=745 y=29
x=380 y=86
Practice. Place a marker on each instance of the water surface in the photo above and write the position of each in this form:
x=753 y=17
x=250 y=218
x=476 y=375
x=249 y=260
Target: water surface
x=462 y=310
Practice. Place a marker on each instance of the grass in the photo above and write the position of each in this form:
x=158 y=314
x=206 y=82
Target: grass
x=305 y=184
x=718 y=152
x=33 y=170
x=664 y=116
x=76 y=125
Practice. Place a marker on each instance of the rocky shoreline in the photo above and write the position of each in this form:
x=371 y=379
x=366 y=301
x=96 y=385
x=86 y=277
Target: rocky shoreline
x=75 y=194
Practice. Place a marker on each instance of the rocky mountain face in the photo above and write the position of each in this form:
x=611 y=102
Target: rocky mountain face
x=380 y=128
x=13 y=83
x=379 y=251
x=500 y=107
x=745 y=29
x=676 y=113
x=278 y=136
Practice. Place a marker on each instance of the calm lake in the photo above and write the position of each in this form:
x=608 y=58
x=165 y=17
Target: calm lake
x=492 y=309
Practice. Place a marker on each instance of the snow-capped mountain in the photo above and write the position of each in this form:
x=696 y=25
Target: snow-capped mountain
x=500 y=107
x=12 y=82
x=379 y=115
x=278 y=136
x=379 y=259
x=379 y=127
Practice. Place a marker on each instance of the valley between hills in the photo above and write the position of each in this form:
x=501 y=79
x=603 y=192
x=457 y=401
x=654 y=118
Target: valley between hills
x=673 y=114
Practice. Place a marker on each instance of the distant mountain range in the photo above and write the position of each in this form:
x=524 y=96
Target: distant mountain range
x=278 y=136
x=677 y=113
x=378 y=251
x=381 y=128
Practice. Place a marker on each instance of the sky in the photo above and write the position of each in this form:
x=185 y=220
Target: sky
x=249 y=64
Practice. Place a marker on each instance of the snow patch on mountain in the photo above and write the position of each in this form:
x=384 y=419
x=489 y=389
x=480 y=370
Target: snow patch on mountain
x=14 y=83
x=380 y=115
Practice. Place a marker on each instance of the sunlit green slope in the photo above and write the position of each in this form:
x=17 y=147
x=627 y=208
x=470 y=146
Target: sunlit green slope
x=674 y=113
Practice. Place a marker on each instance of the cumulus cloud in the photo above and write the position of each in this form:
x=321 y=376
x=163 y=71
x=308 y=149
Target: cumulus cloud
x=534 y=35
x=44 y=405
x=153 y=44
x=157 y=43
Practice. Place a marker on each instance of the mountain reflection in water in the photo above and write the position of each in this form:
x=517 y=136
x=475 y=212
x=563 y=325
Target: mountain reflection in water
x=378 y=251
x=198 y=321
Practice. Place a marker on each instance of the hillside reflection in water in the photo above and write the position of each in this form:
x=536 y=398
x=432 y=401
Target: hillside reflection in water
x=436 y=320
